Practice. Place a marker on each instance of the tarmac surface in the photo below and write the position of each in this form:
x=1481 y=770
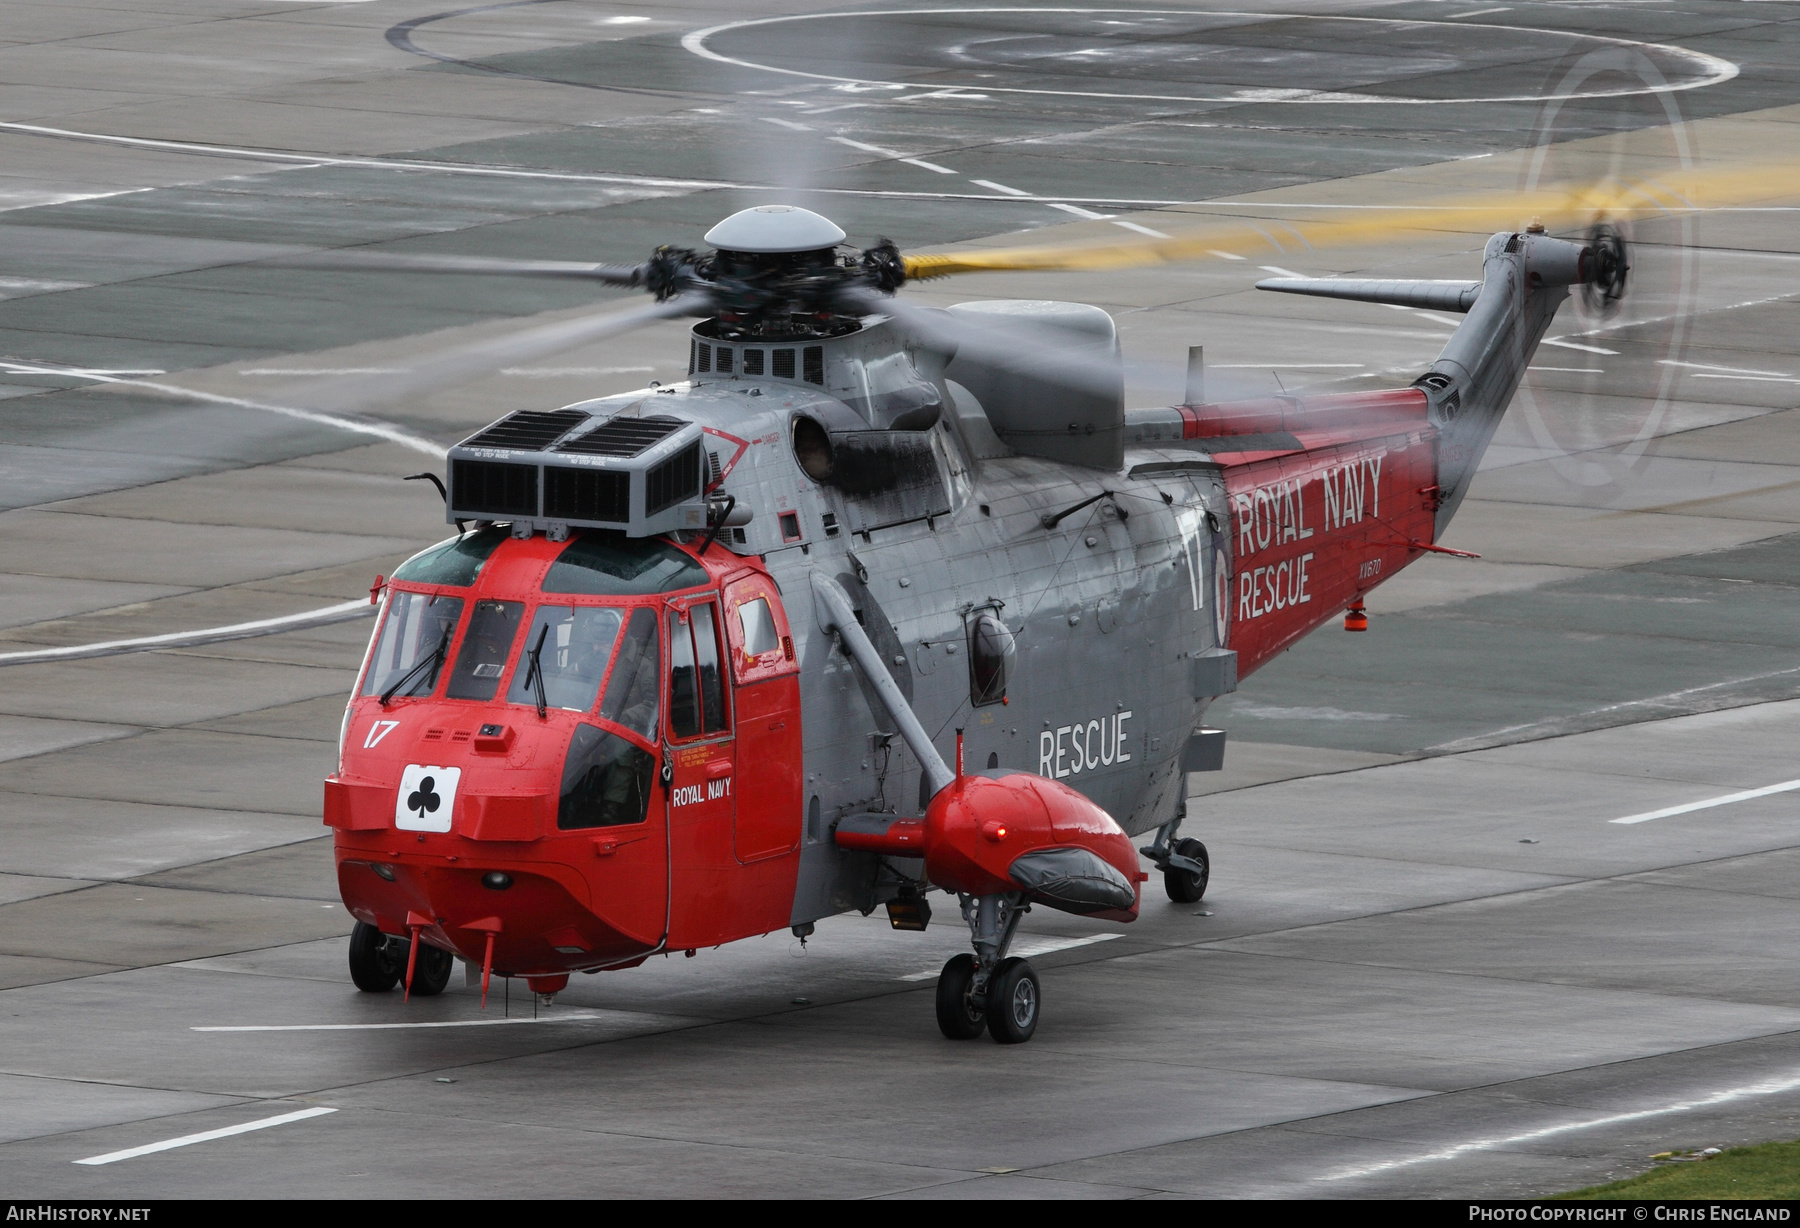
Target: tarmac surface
x=1431 y=962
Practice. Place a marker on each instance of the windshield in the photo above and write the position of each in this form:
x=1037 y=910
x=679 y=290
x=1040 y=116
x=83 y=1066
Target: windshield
x=482 y=658
x=454 y=563
x=414 y=638
x=573 y=644
x=631 y=691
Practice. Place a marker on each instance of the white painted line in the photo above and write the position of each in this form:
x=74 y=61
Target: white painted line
x=1753 y=379
x=787 y=123
x=1571 y=370
x=388 y=1027
x=188 y=1140
x=1436 y=319
x=1026 y=949
x=1707 y=366
x=1285 y=366
x=322 y=371
x=1771 y=1087
x=560 y=372
x=866 y=148
x=998 y=187
x=1505 y=8
x=1784 y=787
x=1143 y=230
x=1078 y=211
x=930 y=166
x=342 y=612
x=1570 y=345
x=1213 y=251
x=93 y=373
x=1279 y=271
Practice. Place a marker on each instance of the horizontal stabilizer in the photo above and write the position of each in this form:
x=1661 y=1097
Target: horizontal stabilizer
x=1456 y=296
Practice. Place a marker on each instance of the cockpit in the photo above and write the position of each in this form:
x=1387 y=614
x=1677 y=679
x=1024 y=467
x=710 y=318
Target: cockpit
x=582 y=640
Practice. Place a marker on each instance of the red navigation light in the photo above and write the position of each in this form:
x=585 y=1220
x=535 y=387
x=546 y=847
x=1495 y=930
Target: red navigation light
x=1354 y=617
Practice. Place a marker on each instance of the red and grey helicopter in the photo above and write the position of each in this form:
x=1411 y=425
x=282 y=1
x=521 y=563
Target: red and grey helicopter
x=881 y=599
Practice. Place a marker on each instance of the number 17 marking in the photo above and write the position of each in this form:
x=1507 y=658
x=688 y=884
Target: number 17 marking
x=378 y=731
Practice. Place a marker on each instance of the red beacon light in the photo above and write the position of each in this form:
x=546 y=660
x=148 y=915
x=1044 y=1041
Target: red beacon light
x=1355 y=618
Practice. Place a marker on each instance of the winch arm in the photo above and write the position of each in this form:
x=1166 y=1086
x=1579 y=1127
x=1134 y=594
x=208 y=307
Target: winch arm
x=835 y=613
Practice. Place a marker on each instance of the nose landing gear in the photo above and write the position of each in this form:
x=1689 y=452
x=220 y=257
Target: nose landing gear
x=378 y=961
x=987 y=990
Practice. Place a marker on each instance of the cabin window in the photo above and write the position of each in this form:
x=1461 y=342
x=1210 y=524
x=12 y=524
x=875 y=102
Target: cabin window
x=712 y=685
x=606 y=780
x=631 y=691
x=485 y=649
x=758 y=622
x=696 y=689
x=991 y=656
x=415 y=640
x=572 y=645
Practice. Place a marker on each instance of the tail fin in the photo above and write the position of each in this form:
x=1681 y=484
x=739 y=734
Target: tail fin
x=1525 y=278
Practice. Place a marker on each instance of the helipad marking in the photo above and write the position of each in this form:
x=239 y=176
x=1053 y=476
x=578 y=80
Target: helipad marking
x=381 y=1027
x=1027 y=949
x=1709 y=69
x=188 y=1140
x=1769 y=1088
x=1784 y=787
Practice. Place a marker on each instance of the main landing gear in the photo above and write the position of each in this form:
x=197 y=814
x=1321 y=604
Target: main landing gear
x=1184 y=863
x=378 y=962
x=987 y=989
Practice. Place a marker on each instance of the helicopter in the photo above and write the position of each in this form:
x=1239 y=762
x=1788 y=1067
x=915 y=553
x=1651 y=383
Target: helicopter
x=880 y=600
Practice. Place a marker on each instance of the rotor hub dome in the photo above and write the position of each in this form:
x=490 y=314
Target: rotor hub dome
x=775 y=230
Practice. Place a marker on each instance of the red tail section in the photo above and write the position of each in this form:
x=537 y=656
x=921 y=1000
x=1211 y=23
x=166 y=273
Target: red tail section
x=1314 y=527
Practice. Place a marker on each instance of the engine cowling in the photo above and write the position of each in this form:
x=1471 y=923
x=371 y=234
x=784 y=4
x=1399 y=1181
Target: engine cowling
x=1014 y=831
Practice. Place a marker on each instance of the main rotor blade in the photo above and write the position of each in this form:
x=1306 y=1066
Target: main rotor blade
x=1560 y=207
x=355 y=261
x=430 y=372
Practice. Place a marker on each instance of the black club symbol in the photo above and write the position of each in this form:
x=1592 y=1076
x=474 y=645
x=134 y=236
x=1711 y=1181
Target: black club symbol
x=423 y=800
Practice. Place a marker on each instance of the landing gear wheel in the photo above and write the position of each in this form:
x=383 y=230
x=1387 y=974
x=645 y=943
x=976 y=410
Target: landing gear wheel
x=1014 y=1002
x=432 y=972
x=373 y=964
x=960 y=1016
x=1185 y=886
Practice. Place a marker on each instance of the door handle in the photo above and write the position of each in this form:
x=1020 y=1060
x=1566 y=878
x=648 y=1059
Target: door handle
x=718 y=768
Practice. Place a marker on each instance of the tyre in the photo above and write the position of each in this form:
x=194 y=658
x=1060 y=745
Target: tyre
x=373 y=964
x=1185 y=886
x=959 y=1015
x=432 y=972
x=1014 y=1002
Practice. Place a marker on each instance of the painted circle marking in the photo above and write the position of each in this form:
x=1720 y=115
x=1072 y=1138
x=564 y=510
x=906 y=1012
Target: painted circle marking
x=1711 y=69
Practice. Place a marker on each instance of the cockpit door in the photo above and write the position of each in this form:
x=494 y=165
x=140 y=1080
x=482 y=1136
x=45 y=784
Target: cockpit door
x=766 y=684
x=701 y=751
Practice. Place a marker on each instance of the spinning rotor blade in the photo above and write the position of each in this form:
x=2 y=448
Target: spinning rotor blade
x=1560 y=208
x=360 y=261
x=437 y=370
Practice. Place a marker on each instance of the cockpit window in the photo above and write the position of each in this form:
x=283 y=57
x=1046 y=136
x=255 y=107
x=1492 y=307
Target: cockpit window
x=631 y=692
x=606 y=781
x=415 y=641
x=600 y=564
x=571 y=644
x=482 y=658
x=454 y=563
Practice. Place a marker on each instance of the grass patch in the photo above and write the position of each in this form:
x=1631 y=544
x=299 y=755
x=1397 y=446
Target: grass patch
x=1767 y=1170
